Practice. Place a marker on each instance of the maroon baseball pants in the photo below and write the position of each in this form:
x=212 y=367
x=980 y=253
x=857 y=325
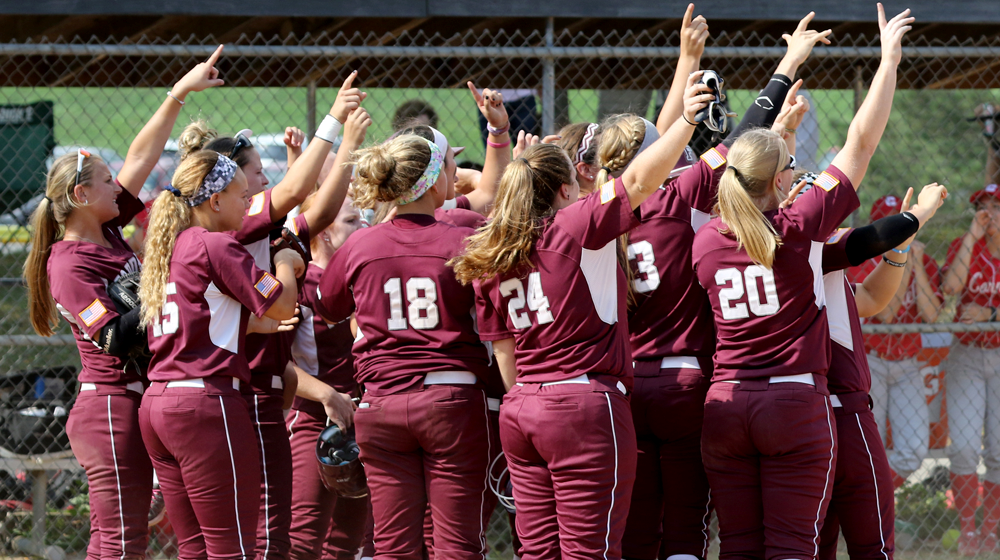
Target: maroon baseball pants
x=769 y=451
x=572 y=455
x=431 y=445
x=202 y=444
x=863 y=497
x=323 y=524
x=103 y=430
x=275 y=516
x=670 y=499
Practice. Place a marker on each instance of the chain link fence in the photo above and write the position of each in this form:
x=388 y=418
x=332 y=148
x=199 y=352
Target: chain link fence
x=929 y=390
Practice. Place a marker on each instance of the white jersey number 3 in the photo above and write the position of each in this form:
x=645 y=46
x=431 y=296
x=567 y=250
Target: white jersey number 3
x=168 y=321
x=647 y=267
x=422 y=310
x=536 y=300
x=761 y=308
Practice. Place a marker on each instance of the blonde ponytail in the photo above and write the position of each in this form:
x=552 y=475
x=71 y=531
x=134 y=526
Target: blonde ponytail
x=169 y=216
x=747 y=184
x=621 y=138
x=47 y=223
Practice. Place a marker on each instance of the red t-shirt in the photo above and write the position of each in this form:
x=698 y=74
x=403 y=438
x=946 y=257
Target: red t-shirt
x=982 y=287
x=201 y=331
x=849 y=371
x=79 y=274
x=771 y=322
x=413 y=316
x=564 y=312
x=672 y=315
x=898 y=346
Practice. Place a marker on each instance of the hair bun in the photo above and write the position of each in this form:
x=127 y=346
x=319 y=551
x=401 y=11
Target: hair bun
x=194 y=137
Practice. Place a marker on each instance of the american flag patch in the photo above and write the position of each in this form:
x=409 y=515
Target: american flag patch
x=266 y=284
x=826 y=181
x=608 y=192
x=93 y=312
x=256 y=204
x=837 y=235
x=713 y=158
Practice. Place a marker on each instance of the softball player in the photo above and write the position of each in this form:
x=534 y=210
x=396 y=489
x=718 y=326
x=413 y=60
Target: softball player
x=268 y=354
x=551 y=308
x=422 y=425
x=761 y=270
x=199 y=286
x=71 y=273
x=896 y=373
x=973 y=377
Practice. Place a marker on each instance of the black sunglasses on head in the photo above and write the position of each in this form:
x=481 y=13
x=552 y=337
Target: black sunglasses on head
x=791 y=163
x=242 y=142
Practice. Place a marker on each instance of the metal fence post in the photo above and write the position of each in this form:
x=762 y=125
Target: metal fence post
x=39 y=484
x=549 y=82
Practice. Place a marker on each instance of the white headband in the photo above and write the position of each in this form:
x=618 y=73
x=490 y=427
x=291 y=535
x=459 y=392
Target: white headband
x=440 y=140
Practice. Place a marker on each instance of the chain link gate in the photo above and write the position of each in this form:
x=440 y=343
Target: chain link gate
x=57 y=96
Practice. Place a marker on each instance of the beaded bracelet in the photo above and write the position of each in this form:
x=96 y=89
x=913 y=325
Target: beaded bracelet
x=893 y=263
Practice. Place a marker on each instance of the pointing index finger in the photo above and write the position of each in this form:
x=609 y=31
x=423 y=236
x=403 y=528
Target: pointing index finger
x=686 y=22
x=804 y=22
x=215 y=56
x=349 y=81
x=475 y=92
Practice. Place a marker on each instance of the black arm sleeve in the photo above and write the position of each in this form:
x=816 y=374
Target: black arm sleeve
x=880 y=236
x=122 y=334
x=765 y=109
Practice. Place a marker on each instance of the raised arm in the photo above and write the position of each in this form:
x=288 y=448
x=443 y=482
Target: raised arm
x=146 y=149
x=331 y=194
x=869 y=123
x=652 y=167
x=800 y=46
x=301 y=177
x=490 y=104
x=958 y=270
x=694 y=33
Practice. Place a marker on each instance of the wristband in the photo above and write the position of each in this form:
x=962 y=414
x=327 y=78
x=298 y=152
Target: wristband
x=903 y=252
x=171 y=95
x=893 y=263
x=683 y=116
x=498 y=144
x=329 y=129
x=497 y=131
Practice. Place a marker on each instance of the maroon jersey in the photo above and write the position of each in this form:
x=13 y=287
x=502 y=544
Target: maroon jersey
x=771 y=321
x=898 y=346
x=460 y=217
x=321 y=349
x=201 y=329
x=461 y=202
x=79 y=274
x=848 y=365
x=564 y=312
x=413 y=316
x=671 y=315
x=982 y=287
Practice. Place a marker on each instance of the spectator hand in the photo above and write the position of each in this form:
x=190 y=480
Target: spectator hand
x=203 y=76
x=803 y=39
x=491 y=105
x=891 y=33
x=694 y=33
x=356 y=127
x=349 y=98
x=973 y=313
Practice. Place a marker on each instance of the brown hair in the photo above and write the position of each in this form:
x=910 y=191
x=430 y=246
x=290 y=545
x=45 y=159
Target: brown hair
x=198 y=136
x=621 y=138
x=755 y=160
x=527 y=191
x=572 y=135
x=385 y=172
x=410 y=111
x=47 y=225
x=169 y=216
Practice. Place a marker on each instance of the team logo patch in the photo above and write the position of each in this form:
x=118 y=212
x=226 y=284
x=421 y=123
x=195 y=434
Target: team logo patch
x=837 y=236
x=826 y=181
x=266 y=284
x=608 y=192
x=93 y=312
x=713 y=158
x=256 y=204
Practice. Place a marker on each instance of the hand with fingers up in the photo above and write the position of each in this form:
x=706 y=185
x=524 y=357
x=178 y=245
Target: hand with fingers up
x=891 y=33
x=349 y=98
x=203 y=76
x=694 y=33
x=491 y=105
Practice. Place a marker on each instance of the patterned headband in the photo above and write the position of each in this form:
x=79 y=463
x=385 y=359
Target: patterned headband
x=588 y=138
x=216 y=181
x=429 y=177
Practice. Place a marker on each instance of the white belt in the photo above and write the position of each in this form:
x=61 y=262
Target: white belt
x=450 y=378
x=196 y=383
x=680 y=362
x=135 y=387
x=835 y=401
x=806 y=378
x=582 y=379
x=493 y=404
x=276 y=382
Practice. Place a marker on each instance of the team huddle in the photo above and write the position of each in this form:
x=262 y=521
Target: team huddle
x=609 y=334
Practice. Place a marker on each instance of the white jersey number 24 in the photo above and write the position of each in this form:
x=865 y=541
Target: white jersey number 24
x=737 y=280
x=535 y=299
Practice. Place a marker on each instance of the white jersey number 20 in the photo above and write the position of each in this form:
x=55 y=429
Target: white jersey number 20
x=761 y=308
x=536 y=300
x=168 y=321
x=417 y=303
